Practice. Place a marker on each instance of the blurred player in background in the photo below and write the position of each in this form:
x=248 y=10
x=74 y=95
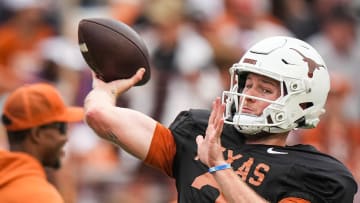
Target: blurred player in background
x=35 y=118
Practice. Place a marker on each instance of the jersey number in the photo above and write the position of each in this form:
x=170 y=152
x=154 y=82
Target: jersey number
x=258 y=175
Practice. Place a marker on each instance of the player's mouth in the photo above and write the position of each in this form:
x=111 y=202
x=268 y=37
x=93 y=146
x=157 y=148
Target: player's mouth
x=247 y=110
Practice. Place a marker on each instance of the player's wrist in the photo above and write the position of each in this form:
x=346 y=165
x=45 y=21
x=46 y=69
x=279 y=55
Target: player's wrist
x=104 y=94
x=216 y=162
x=220 y=167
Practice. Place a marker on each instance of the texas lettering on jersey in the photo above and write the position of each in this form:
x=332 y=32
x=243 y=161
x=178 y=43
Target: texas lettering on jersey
x=256 y=178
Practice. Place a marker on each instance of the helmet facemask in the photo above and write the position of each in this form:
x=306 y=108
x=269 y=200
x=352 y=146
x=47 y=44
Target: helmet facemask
x=271 y=117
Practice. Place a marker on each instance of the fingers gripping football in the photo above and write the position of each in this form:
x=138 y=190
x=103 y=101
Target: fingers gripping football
x=118 y=87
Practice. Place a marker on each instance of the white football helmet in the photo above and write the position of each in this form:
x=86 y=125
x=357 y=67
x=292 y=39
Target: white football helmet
x=304 y=83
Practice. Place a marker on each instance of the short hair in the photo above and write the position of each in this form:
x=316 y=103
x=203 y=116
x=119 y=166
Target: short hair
x=17 y=137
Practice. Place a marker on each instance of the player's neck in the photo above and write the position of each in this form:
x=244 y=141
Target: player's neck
x=275 y=139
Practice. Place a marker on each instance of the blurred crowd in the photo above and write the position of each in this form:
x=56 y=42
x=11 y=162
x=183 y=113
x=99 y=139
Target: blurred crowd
x=192 y=43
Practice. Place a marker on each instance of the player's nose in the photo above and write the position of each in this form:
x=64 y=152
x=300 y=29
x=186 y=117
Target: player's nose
x=249 y=92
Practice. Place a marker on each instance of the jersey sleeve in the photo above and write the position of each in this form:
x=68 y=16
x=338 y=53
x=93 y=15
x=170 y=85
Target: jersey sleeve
x=162 y=150
x=294 y=200
x=166 y=141
x=301 y=197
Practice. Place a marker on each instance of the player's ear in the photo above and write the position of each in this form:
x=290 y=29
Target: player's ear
x=35 y=135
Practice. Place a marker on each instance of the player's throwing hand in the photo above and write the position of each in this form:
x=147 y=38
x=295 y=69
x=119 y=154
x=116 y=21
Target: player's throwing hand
x=118 y=87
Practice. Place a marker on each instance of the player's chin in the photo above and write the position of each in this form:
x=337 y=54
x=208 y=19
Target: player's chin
x=56 y=164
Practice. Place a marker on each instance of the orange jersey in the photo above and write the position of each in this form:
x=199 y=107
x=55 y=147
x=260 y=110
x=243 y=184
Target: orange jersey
x=23 y=179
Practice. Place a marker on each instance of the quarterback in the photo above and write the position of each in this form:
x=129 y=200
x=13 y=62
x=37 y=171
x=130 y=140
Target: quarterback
x=237 y=152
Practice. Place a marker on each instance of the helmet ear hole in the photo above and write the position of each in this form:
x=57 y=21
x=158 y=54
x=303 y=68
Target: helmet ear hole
x=300 y=122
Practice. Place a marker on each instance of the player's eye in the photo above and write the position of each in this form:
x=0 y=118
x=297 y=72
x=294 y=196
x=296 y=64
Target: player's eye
x=248 y=86
x=267 y=91
x=61 y=126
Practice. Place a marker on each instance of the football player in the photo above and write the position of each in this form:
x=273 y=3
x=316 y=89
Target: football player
x=238 y=151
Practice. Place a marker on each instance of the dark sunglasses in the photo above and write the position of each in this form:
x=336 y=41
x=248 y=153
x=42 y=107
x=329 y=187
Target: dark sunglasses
x=61 y=126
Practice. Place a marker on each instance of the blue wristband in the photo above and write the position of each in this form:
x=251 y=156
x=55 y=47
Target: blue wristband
x=219 y=167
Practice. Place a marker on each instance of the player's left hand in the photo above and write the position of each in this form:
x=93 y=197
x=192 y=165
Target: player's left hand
x=210 y=151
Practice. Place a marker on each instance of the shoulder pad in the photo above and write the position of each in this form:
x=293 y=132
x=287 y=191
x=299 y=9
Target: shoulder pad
x=193 y=118
x=195 y=121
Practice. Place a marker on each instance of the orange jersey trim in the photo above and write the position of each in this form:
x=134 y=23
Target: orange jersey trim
x=294 y=200
x=162 y=150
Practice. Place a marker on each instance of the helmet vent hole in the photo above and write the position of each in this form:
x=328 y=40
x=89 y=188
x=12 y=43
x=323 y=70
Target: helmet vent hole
x=306 y=105
x=284 y=61
x=269 y=120
x=285 y=89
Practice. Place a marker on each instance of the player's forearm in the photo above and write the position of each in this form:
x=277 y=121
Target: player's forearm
x=97 y=103
x=234 y=189
x=114 y=124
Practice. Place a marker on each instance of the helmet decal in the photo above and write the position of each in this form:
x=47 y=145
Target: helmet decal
x=250 y=61
x=311 y=63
